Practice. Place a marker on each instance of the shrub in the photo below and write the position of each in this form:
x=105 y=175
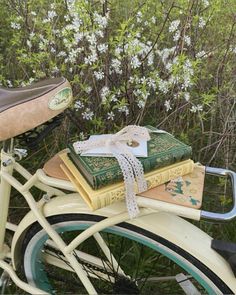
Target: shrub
x=166 y=63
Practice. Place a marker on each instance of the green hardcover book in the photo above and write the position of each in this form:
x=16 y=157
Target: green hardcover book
x=163 y=150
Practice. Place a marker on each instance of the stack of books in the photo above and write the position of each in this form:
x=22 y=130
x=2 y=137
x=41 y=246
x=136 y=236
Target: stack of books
x=170 y=173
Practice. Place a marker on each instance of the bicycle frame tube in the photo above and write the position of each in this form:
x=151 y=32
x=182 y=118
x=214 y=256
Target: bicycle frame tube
x=5 y=188
x=37 y=209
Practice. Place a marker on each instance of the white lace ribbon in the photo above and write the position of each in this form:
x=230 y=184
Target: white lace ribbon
x=131 y=167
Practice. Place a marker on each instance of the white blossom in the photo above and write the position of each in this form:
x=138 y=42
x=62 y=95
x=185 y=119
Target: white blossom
x=78 y=36
x=53 y=50
x=152 y=83
x=55 y=70
x=102 y=48
x=124 y=109
x=105 y=91
x=139 y=16
x=141 y=103
x=187 y=82
x=202 y=22
x=9 y=83
x=88 y=89
x=150 y=59
x=118 y=51
x=187 y=40
x=165 y=53
x=31 y=80
x=15 y=26
x=114 y=98
x=100 y=20
x=153 y=19
x=174 y=25
x=205 y=3
x=33 y=13
x=51 y=14
x=72 y=56
x=200 y=54
x=99 y=75
x=188 y=67
x=116 y=66
x=142 y=94
x=62 y=54
x=234 y=50
x=110 y=116
x=131 y=79
x=167 y=105
x=78 y=105
x=29 y=44
x=89 y=60
x=135 y=62
x=76 y=23
x=92 y=39
x=31 y=35
x=99 y=33
x=56 y=32
x=176 y=36
x=67 y=17
x=197 y=108
x=87 y=114
x=187 y=96
x=163 y=86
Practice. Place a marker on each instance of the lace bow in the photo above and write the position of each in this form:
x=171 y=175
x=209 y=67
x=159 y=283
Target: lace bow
x=131 y=167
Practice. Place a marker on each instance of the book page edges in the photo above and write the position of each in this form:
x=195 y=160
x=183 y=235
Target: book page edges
x=77 y=185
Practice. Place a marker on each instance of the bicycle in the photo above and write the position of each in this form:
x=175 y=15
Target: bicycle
x=62 y=246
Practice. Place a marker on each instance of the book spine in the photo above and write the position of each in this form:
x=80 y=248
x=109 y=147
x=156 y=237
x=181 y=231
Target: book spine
x=89 y=177
x=153 y=180
x=108 y=177
x=96 y=181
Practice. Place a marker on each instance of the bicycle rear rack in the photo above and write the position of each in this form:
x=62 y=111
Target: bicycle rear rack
x=232 y=213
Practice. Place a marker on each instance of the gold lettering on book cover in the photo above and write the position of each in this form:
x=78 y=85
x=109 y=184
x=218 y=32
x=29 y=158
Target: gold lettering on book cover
x=98 y=163
x=160 y=143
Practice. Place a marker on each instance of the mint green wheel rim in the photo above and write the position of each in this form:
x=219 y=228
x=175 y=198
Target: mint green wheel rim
x=40 y=277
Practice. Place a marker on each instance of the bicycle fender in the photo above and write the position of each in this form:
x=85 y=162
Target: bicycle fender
x=169 y=226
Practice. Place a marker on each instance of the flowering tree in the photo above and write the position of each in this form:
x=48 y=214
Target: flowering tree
x=129 y=62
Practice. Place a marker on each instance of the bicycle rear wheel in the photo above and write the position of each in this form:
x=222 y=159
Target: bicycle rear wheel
x=134 y=261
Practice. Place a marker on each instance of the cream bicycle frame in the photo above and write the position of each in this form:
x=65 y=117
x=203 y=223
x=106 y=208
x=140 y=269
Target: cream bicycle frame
x=56 y=202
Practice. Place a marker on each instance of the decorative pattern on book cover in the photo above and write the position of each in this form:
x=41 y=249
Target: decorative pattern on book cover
x=186 y=190
x=115 y=192
x=163 y=150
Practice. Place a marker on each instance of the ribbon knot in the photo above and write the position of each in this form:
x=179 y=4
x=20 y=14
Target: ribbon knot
x=130 y=166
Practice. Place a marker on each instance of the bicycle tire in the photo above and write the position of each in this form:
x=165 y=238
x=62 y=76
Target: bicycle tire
x=50 y=279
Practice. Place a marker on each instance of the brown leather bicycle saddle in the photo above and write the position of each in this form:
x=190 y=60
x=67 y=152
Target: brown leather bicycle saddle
x=22 y=109
x=10 y=97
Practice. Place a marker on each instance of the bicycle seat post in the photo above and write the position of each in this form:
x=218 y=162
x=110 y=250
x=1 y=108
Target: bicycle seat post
x=5 y=188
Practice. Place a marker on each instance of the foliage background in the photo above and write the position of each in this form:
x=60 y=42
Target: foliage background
x=166 y=63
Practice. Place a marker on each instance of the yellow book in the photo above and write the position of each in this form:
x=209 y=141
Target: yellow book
x=115 y=192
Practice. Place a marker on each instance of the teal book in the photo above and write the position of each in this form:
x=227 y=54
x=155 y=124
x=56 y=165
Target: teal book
x=163 y=150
